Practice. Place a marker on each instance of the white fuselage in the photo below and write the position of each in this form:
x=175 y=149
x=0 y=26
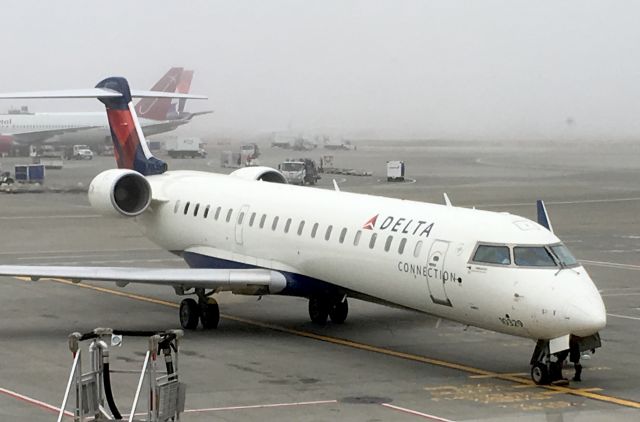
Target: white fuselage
x=87 y=128
x=434 y=272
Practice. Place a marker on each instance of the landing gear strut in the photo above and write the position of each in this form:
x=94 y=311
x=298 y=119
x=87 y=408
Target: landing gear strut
x=206 y=310
x=323 y=307
x=543 y=370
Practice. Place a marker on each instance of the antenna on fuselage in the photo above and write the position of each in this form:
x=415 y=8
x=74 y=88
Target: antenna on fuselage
x=543 y=216
x=447 y=201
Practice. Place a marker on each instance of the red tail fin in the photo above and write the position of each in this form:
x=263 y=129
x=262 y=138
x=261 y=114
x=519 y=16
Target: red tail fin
x=184 y=85
x=158 y=108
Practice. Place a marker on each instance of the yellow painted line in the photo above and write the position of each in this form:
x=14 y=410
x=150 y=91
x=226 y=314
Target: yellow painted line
x=362 y=346
x=585 y=390
x=497 y=374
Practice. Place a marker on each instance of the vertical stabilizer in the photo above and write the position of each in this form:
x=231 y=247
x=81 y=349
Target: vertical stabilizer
x=130 y=146
x=184 y=85
x=159 y=108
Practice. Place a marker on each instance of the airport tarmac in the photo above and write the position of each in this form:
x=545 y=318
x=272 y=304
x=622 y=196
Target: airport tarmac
x=266 y=361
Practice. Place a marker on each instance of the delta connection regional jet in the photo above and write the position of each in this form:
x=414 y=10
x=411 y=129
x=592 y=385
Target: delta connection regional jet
x=251 y=233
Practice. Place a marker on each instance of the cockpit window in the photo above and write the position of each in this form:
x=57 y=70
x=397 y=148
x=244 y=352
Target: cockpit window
x=564 y=256
x=533 y=256
x=492 y=254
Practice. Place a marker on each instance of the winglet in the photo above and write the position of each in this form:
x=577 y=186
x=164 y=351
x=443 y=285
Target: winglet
x=335 y=185
x=543 y=216
x=447 y=202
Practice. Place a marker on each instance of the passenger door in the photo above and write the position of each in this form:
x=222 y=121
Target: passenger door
x=436 y=274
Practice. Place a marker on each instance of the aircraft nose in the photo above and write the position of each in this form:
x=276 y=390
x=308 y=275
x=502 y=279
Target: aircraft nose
x=587 y=314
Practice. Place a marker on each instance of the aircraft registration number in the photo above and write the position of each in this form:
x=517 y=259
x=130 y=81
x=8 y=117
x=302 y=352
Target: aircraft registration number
x=511 y=322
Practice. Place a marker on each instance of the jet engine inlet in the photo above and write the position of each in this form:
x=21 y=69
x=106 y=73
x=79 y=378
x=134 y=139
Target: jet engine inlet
x=121 y=192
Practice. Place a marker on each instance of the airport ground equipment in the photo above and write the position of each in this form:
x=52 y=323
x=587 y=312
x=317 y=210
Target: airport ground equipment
x=299 y=171
x=230 y=159
x=29 y=173
x=79 y=152
x=49 y=158
x=165 y=393
x=5 y=178
x=395 y=171
x=182 y=147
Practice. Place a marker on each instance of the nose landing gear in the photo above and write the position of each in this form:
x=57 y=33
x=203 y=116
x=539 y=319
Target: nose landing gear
x=546 y=367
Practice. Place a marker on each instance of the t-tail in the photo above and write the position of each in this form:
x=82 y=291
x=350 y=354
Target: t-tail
x=130 y=146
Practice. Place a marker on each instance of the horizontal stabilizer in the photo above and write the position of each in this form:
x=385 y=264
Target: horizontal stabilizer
x=183 y=277
x=99 y=93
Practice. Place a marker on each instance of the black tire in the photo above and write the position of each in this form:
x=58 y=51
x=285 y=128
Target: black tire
x=318 y=310
x=210 y=315
x=339 y=312
x=189 y=314
x=540 y=374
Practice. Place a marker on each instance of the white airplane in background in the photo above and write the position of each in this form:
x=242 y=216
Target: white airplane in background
x=251 y=233
x=92 y=128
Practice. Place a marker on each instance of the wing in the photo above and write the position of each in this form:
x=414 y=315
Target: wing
x=255 y=281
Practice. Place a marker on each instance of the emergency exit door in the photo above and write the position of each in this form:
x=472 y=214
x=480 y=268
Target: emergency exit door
x=243 y=218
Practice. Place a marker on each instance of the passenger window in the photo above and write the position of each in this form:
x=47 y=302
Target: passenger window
x=416 y=251
x=240 y=218
x=195 y=210
x=492 y=254
x=533 y=256
x=343 y=234
x=176 y=207
x=403 y=243
x=186 y=208
x=262 y=220
x=387 y=244
x=372 y=241
x=229 y=214
x=252 y=219
x=300 y=227
x=206 y=211
x=217 y=213
x=356 y=238
x=287 y=225
x=314 y=230
x=327 y=235
x=275 y=222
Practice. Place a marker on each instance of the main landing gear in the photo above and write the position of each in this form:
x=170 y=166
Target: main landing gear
x=323 y=307
x=206 y=311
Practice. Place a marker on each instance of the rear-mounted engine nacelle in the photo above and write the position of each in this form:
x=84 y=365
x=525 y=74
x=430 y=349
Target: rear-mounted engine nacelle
x=266 y=174
x=120 y=192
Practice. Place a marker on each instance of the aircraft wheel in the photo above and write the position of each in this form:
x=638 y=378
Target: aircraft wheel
x=540 y=374
x=189 y=314
x=210 y=314
x=339 y=312
x=318 y=309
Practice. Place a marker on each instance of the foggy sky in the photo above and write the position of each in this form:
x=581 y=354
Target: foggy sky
x=420 y=69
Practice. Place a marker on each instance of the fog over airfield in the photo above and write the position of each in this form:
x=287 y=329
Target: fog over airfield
x=387 y=69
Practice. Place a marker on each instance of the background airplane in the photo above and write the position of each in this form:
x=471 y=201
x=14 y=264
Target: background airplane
x=251 y=233
x=157 y=115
